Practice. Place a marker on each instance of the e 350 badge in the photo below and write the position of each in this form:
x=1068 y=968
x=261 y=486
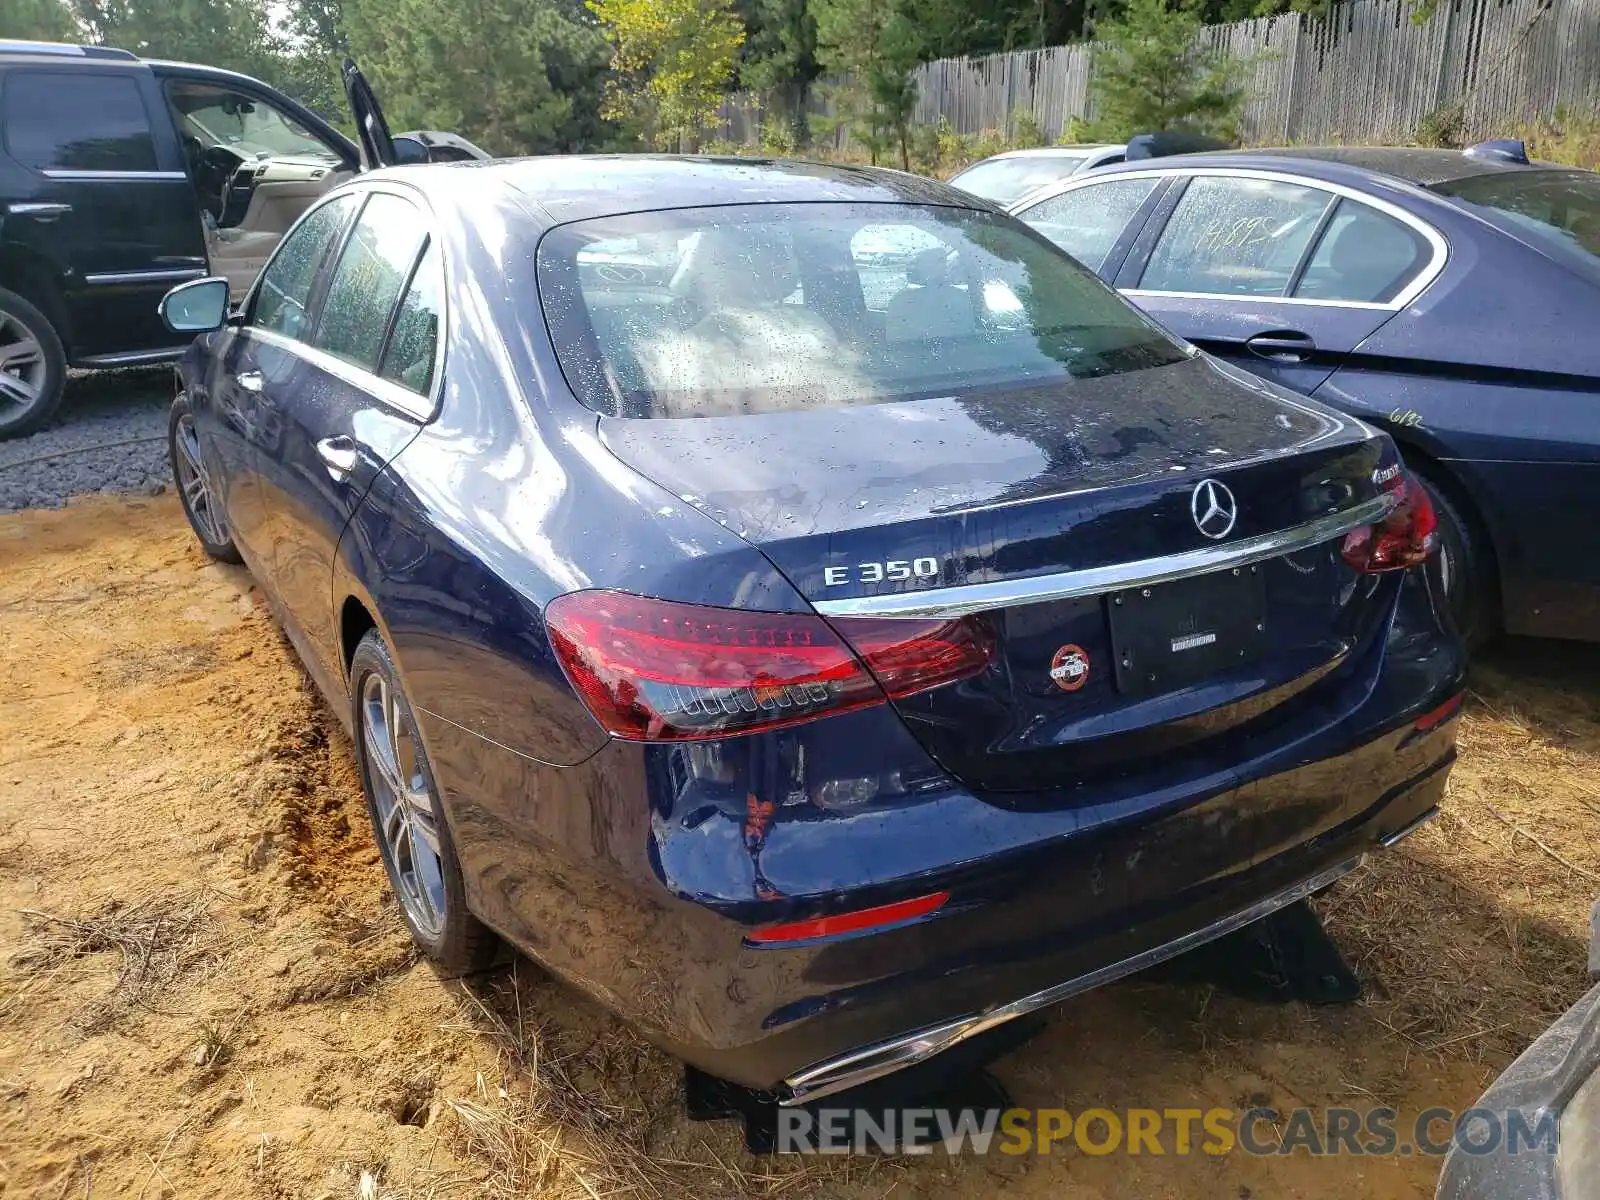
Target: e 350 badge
x=1069 y=669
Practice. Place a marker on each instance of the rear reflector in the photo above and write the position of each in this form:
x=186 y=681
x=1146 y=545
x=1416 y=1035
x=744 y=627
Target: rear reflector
x=851 y=922
x=1402 y=539
x=656 y=670
x=1438 y=716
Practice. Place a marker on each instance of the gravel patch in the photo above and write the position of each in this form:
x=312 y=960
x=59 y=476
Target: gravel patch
x=110 y=435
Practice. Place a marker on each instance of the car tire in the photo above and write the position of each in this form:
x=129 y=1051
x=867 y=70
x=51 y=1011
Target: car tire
x=1463 y=569
x=33 y=366
x=199 y=498
x=408 y=820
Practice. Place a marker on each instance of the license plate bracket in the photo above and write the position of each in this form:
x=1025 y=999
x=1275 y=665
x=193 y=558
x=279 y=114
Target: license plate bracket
x=1170 y=634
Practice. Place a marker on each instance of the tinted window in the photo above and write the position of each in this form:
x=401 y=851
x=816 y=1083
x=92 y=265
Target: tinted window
x=77 y=121
x=1557 y=211
x=1235 y=237
x=777 y=307
x=409 y=358
x=1086 y=222
x=285 y=289
x=1363 y=255
x=371 y=274
x=1007 y=180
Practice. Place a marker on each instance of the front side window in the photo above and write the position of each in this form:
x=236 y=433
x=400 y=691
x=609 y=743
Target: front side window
x=373 y=270
x=55 y=121
x=216 y=116
x=284 y=293
x=761 y=308
x=1363 y=255
x=1235 y=237
x=1087 y=221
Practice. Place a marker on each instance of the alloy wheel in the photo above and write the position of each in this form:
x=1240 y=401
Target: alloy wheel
x=198 y=494
x=404 y=805
x=23 y=369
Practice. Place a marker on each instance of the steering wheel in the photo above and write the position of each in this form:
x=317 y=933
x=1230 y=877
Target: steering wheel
x=214 y=174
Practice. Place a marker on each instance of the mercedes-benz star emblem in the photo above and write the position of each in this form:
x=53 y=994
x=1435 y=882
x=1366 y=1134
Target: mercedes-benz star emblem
x=1214 y=509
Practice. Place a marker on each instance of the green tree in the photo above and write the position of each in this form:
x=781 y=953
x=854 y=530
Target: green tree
x=38 y=20
x=222 y=33
x=517 y=76
x=1151 y=71
x=780 y=56
x=672 y=61
x=872 y=46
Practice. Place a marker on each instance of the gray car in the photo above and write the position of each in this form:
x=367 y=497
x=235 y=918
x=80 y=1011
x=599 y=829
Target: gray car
x=1007 y=178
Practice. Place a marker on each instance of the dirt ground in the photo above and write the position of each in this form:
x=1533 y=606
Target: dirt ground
x=204 y=990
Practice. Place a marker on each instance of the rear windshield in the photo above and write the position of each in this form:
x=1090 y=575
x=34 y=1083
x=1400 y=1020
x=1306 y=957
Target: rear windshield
x=1007 y=180
x=768 y=308
x=1555 y=211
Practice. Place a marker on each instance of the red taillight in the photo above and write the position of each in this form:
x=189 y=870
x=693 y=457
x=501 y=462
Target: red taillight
x=1438 y=716
x=656 y=670
x=850 y=922
x=1402 y=539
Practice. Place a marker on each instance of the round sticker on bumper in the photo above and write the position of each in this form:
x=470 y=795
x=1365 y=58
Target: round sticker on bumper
x=1070 y=668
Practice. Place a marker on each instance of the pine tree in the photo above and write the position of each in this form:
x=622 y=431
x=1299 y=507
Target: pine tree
x=1151 y=72
x=873 y=46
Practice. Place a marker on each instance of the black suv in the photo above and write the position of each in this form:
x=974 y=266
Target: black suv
x=121 y=177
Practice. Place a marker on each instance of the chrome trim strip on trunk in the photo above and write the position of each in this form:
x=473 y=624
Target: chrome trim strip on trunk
x=163 y=275
x=1092 y=581
x=873 y=1062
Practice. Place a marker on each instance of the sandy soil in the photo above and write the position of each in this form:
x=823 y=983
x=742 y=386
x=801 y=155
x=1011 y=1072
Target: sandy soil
x=204 y=990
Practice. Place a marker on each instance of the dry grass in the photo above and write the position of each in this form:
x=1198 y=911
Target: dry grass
x=158 y=938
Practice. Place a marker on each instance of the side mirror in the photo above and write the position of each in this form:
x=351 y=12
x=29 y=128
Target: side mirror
x=409 y=150
x=199 y=306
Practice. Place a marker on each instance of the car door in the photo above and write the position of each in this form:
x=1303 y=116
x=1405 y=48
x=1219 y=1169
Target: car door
x=101 y=201
x=343 y=401
x=1283 y=276
x=241 y=424
x=1096 y=222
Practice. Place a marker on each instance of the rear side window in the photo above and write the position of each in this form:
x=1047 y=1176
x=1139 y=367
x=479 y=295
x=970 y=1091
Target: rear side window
x=1363 y=255
x=781 y=307
x=373 y=270
x=409 y=358
x=1087 y=221
x=1233 y=236
x=284 y=293
x=81 y=121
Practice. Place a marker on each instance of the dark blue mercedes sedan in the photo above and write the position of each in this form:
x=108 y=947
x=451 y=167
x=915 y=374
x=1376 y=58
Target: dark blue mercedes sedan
x=802 y=607
x=1447 y=297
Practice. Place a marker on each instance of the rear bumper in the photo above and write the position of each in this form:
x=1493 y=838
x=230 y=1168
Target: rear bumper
x=866 y=1031
x=639 y=874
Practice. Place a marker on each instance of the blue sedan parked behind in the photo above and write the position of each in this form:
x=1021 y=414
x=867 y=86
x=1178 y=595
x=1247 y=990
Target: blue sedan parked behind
x=1449 y=298
x=800 y=606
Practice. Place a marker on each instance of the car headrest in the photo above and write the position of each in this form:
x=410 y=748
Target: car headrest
x=1371 y=256
x=728 y=268
x=931 y=266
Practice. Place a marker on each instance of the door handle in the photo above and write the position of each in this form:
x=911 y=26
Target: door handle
x=251 y=381
x=41 y=210
x=1282 y=345
x=339 y=455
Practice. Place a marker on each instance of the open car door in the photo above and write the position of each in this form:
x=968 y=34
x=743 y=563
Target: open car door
x=379 y=148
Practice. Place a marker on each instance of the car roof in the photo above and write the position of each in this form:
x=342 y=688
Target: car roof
x=1408 y=164
x=1074 y=151
x=577 y=187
